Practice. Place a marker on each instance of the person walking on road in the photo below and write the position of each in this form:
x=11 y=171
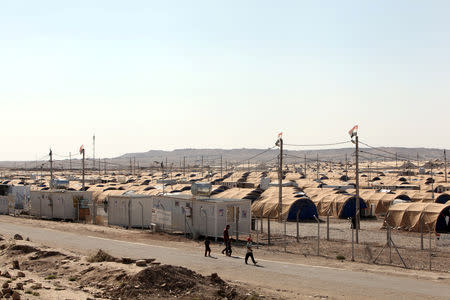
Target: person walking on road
x=227 y=241
x=249 y=251
x=207 y=248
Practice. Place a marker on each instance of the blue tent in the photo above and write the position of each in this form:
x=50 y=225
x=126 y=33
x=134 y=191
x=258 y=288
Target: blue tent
x=442 y=223
x=349 y=209
x=443 y=198
x=306 y=207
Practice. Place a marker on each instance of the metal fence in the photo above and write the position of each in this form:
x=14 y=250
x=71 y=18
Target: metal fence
x=378 y=243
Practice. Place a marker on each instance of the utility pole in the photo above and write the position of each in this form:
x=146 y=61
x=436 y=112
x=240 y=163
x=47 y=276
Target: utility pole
x=226 y=166
x=70 y=161
x=93 y=152
x=134 y=165
x=99 y=166
x=202 y=165
x=417 y=163
x=221 y=169
x=346 y=166
x=184 y=165
x=248 y=165
x=396 y=164
x=358 y=213
x=432 y=179
x=51 y=168
x=305 y=166
x=104 y=161
x=82 y=178
x=354 y=133
x=279 y=143
x=166 y=164
x=445 y=165
x=317 y=166
x=131 y=167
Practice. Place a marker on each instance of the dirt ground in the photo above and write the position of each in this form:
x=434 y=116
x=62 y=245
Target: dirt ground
x=365 y=252
x=30 y=271
x=339 y=229
x=69 y=267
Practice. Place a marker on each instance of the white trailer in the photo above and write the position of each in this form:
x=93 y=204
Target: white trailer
x=60 y=204
x=201 y=215
x=130 y=211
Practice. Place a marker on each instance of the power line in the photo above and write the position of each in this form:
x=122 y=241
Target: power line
x=312 y=160
x=380 y=155
x=318 y=145
x=254 y=156
x=382 y=150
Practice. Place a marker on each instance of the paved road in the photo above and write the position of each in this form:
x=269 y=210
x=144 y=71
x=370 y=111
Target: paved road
x=302 y=280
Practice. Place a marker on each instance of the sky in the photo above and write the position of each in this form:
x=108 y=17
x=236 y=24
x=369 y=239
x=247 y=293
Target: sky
x=166 y=75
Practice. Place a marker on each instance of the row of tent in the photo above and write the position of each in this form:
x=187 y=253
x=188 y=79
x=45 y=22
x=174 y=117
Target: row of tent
x=296 y=204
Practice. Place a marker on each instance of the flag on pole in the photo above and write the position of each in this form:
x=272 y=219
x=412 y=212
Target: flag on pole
x=81 y=149
x=353 y=131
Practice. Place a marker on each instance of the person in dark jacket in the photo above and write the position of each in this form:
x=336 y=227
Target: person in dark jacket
x=207 y=248
x=227 y=241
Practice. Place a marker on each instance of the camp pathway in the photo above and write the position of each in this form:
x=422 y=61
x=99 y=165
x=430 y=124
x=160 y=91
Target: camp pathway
x=291 y=279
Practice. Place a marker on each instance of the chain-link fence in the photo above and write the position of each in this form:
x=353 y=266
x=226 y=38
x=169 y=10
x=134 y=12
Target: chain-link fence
x=377 y=243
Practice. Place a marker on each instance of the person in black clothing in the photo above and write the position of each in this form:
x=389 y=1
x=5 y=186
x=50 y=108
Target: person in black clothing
x=207 y=248
x=227 y=241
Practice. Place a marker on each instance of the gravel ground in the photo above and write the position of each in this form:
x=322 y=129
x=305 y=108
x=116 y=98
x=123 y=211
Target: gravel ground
x=370 y=233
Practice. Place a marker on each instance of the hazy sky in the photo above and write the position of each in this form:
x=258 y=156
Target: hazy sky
x=207 y=74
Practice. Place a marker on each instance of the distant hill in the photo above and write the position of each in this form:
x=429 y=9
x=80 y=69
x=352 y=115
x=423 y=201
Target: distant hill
x=266 y=155
x=269 y=156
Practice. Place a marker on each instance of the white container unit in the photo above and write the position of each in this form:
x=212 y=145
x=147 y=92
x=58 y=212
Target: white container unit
x=201 y=215
x=60 y=204
x=130 y=211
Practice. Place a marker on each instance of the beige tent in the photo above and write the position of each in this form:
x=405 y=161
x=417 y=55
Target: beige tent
x=417 y=196
x=335 y=204
x=267 y=206
x=381 y=200
x=407 y=216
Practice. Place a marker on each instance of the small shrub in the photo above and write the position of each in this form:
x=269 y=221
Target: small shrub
x=36 y=294
x=340 y=257
x=28 y=292
x=72 y=278
x=50 y=277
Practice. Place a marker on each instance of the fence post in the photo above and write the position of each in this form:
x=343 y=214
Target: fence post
x=328 y=225
x=257 y=239
x=421 y=231
x=353 y=242
x=429 y=230
x=389 y=242
x=318 y=235
x=285 y=241
x=262 y=219
x=268 y=230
